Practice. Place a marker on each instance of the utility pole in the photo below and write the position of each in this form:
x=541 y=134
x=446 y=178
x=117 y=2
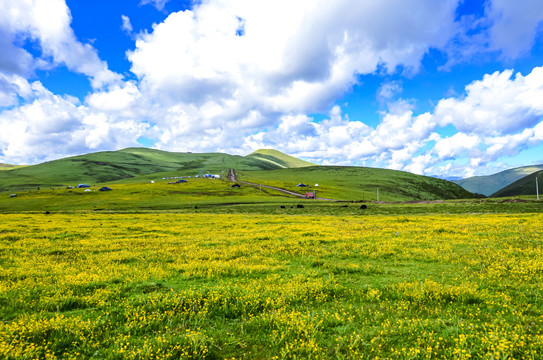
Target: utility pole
x=377 y=194
x=536 y=188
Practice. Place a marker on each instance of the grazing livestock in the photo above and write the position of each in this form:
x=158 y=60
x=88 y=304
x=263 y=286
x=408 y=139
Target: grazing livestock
x=363 y=207
x=299 y=206
x=282 y=206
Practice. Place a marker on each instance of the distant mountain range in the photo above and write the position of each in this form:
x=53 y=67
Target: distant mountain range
x=523 y=186
x=491 y=184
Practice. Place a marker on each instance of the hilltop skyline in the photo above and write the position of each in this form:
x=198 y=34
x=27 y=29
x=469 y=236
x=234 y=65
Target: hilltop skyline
x=449 y=88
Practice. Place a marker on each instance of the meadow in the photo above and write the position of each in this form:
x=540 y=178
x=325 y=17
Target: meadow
x=191 y=285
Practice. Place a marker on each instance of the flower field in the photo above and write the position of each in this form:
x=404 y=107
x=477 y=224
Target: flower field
x=238 y=286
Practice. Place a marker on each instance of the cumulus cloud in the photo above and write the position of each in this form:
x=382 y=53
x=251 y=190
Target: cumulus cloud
x=48 y=23
x=514 y=25
x=497 y=104
x=300 y=66
x=49 y=126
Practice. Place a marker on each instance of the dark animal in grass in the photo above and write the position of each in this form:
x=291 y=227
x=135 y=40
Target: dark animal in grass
x=344 y=206
x=363 y=207
x=47 y=212
x=282 y=207
x=236 y=186
x=299 y=206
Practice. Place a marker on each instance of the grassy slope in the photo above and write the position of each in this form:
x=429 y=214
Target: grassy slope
x=139 y=197
x=524 y=186
x=10 y=167
x=114 y=165
x=139 y=165
x=278 y=159
x=488 y=185
x=357 y=183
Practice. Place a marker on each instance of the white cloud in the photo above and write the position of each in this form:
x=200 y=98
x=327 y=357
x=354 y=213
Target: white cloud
x=159 y=4
x=515 y=25
x=496 y=105
x=47 y=22
x=455 y=145
x=299 y=67
x=389 y=90
x=51 y=126
x=126 y=25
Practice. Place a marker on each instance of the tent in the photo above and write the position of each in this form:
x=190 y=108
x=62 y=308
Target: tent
x=302 y=185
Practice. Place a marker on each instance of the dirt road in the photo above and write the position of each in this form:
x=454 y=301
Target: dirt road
x=232 y=177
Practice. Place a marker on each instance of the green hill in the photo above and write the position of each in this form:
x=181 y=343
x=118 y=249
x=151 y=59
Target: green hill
x=358 y=183
x=524 y=186
x=270 y=167
x=124 y=164
x=490 y=184
x=278 y=159
x=9 y=166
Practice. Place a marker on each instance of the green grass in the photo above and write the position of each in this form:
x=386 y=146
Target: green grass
x=123 y=164
x=139 y=197
x=218 y=197
x=358 y=183
x=194 y=286
x=10 y=167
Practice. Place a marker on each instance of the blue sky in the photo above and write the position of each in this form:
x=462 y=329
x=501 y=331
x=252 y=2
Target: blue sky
x=448 y=88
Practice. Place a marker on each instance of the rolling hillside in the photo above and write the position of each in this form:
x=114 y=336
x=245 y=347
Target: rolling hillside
x=278 y=159
x=358 y=183
x=124 y=164
x=490 y=184
x=9 y=166
x=269 y=167
x=524 y=186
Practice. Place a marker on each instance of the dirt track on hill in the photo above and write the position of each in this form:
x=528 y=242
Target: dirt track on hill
x=232 y=177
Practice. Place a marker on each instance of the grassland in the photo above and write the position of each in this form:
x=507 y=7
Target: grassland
x=123 y=164
x=9 y=166
x=218 y=197
x=358 y=183
x=246 y=286
x=201 y=270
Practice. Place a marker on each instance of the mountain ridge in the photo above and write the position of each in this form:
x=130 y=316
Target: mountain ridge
x=523 y=186
x=490 y=184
